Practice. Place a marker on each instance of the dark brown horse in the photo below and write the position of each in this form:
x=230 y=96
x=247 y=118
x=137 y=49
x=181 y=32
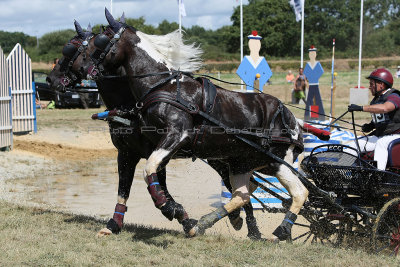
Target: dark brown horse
x=237 y=128
x=132 y=147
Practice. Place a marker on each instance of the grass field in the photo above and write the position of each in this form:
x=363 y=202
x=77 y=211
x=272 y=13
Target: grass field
x=39 y=237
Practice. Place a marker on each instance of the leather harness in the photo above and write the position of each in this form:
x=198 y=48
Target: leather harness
x=209 y=95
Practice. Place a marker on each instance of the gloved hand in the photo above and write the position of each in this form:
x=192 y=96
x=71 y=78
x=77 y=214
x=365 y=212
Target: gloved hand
x=368 y=127
x=354 y=107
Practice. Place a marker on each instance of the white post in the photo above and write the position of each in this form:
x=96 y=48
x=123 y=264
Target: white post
x=111 y=7
x=360 y=48
x=302 y=32
x=241 y=37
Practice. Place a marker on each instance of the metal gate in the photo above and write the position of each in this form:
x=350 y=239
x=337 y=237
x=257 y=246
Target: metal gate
x=23 y=97
x=5 y=105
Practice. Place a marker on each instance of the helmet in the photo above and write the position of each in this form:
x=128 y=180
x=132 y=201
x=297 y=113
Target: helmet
x=382 y=75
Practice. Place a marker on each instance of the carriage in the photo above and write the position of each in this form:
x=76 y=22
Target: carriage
x=366 y=200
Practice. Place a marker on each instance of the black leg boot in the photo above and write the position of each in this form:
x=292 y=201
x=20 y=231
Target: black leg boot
x=284 y=230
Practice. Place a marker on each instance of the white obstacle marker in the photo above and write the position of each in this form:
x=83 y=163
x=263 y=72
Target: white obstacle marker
x=6 y=135
x=23 y=97
x=359 y=96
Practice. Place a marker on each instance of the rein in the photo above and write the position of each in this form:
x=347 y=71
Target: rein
x=335 y=119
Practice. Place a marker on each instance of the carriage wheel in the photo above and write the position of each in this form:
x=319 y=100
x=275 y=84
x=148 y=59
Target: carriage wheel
x=328 y=228
x=386 y=230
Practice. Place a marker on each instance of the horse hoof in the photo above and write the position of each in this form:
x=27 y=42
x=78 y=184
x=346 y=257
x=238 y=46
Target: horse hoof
x=254 y=236
x=104 y=232
x=195 y=231
x=191 y=232
x=237 y=223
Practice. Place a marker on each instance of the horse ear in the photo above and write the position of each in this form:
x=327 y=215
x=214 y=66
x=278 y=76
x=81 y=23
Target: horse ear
x=115 y=26
x=89 y=28
x=79 y=29
x=122 y=19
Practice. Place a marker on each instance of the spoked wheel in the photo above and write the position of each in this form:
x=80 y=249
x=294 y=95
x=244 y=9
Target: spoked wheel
x=386 y=230
x=325 y=228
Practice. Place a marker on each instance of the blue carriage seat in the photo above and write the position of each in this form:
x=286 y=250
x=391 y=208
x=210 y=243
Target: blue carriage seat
x=394 y=153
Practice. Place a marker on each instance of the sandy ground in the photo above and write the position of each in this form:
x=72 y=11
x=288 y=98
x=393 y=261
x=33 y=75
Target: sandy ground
x=77 y=172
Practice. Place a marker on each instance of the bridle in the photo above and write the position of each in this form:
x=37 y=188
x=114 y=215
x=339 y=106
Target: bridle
x=103 y=44
x=71 y=52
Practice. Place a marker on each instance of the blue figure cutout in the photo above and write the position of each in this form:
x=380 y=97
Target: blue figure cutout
x=313 y=71
x=254 y=67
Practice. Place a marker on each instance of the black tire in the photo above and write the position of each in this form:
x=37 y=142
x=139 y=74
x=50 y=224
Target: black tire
x=386 y=230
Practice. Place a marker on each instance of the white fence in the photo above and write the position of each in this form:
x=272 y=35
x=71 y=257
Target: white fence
x=5 y=105
x=23 y=97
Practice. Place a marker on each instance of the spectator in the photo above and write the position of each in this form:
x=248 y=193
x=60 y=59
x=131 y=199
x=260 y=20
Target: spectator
x=398 y=72
x=290 y=77
x=54 y=63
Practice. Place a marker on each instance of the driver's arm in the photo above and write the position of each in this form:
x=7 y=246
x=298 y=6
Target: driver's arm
x=380 y=108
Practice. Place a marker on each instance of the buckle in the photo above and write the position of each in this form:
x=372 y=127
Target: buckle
x=139 y=105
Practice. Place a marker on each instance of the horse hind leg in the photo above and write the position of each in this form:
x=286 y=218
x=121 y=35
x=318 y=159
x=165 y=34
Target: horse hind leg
x=251 y=222
x=223 y=170
x=240 y=197
x=298 y=192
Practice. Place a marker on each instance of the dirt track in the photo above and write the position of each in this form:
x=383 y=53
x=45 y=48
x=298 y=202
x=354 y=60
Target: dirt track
x=77 y=171
x=62 y=152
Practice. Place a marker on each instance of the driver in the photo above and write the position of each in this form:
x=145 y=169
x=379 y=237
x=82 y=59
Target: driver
x=385 y=113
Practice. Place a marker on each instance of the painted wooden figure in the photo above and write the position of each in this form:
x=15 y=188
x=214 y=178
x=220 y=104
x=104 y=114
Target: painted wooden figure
x=313 y=71
x=254 y=69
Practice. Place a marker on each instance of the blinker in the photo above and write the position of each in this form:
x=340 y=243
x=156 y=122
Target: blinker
x=101 y=41
x=69 y=50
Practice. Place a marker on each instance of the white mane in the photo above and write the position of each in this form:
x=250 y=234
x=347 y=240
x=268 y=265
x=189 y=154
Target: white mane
x=170 y=50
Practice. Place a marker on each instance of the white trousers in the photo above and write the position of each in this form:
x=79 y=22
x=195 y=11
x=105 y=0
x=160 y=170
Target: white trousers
x=379 y=144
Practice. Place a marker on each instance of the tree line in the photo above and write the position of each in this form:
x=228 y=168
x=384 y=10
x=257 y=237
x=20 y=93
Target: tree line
x=275 y=22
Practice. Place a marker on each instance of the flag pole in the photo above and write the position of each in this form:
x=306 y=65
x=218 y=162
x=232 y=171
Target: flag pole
x=180 y=17
x=302 y=32
x=241 y=37
x=360 y=48
x=333 y=77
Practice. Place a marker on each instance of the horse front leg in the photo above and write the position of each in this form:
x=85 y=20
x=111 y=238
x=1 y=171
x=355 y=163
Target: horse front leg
x=169 y=144
x=240 y=197
x=127 y=162
x=297 y=191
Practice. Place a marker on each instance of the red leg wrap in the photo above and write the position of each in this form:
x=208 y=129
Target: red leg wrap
x=154 y=188
x=119 y=214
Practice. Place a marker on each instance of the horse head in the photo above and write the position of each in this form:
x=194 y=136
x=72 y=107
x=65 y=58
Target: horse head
x=65 y=73
x=139 y=53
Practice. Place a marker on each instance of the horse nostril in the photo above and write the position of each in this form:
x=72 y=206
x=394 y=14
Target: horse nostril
x=48 y=80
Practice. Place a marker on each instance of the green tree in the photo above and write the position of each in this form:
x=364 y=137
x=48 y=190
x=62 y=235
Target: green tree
x=275 y=22
x=166 y=27
x=9 y=39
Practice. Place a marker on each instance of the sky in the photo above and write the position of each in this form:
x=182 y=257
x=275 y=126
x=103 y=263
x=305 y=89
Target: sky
x=38 y=17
